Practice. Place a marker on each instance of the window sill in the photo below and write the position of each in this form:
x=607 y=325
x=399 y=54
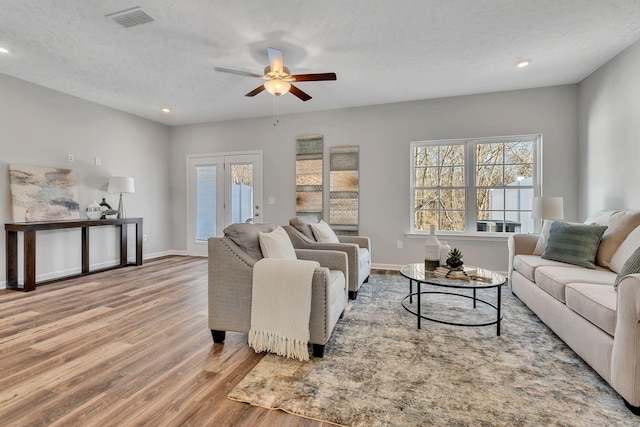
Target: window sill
x=491 y=237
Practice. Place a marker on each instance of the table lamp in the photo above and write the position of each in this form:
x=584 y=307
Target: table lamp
x=121 y=184
x=547 y=208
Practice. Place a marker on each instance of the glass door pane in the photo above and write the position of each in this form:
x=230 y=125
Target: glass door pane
x=242 y=192
x=205 y=202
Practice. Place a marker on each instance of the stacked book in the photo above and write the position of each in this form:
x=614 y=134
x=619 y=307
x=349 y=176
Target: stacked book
x=467 y=273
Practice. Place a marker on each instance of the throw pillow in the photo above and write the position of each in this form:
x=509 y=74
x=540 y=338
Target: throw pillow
x=544 y=236
x=620 y=225
x=277 y=245
x=632 y=266
x=303 y=224
x=574 y=243
x=246 y=236
x=625 y=250
x=323 y=233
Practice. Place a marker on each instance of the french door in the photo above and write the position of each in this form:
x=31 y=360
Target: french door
x=222 y=189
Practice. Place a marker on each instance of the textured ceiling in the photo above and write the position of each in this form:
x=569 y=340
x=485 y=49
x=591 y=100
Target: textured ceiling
x=382 y=50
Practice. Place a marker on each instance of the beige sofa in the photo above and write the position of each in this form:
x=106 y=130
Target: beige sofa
x=581 y=305
x=231 y=261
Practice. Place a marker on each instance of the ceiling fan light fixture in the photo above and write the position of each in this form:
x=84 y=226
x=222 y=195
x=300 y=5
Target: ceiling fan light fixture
x=277 y=87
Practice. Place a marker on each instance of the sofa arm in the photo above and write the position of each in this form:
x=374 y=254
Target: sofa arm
x=625 y=360
x=363 y=242
x=333 y=260
x=520 y=244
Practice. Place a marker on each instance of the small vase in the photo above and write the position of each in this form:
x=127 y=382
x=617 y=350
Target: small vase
x=444 y=252
x=431 y=250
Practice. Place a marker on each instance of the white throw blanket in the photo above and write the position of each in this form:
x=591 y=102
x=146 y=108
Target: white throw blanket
x=281 y=307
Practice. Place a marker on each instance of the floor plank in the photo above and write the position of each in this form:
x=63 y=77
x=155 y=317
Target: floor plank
x=123 y=347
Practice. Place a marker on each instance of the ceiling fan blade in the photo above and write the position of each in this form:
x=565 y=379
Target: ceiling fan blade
x=314 y=77
x=238 y=72
x=276 y=60
x=300 y=94
x=256 y=91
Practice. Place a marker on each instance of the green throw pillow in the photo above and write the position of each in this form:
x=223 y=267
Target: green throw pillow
x=574 y=243
x=631 y=266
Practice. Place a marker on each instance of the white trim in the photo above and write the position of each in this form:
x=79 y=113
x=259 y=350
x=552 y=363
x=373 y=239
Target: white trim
x=489 y=237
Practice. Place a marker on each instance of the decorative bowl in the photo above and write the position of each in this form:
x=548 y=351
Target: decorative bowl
x=93 y=214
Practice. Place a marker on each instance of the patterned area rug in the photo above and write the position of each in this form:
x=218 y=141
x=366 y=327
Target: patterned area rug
x=380 y=370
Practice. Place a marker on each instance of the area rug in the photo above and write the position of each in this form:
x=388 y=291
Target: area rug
x=380 y=370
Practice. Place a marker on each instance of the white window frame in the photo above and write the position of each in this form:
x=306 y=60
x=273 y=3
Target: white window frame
x=471 y=215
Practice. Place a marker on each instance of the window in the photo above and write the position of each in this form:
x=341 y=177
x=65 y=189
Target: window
x=477 y=185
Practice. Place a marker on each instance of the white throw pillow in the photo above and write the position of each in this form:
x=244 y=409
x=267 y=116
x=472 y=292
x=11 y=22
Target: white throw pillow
x=625 y=250
x=277 y=245
x=324 y=233
x=544 y=236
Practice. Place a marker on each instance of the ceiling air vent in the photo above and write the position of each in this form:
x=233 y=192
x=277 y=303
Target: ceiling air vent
x=130 y=17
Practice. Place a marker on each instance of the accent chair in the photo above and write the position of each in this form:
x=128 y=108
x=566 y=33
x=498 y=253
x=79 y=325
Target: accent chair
x=231 y=261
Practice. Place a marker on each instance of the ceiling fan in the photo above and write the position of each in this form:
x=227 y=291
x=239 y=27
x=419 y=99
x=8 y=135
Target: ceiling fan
x=278 y=78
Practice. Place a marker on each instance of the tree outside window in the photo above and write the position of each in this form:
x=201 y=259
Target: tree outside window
x=474 y=185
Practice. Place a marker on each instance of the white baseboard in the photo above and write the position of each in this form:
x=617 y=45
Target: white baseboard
x=392 y=267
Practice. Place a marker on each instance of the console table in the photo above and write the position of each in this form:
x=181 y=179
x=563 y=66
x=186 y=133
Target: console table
x=30 y=228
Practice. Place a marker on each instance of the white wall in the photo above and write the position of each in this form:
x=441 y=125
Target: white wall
x=609 y=135
x=384 y=133
x=41 y=126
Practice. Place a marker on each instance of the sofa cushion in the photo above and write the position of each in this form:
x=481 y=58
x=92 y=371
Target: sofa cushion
x=302 y=224
x=554 y=279
x=625 y=250
x=363 y=258
x=620 y=225
x=574 y=243
x=323 y=233
x=527 y=264
x=632 y=266
x=247 y=236
x=600 y=218
x=277 y=245
x=596 y=303
x=544 y=236
x=337 y=284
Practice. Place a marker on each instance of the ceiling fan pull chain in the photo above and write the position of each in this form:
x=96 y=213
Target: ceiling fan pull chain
x=275 y=111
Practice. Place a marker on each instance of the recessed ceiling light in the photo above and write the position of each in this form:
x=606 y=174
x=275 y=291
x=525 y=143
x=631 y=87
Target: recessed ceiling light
x=165 y=110
x=4 y=50
x=523 y=63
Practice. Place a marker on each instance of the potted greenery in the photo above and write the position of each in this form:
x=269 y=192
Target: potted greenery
x=454 y=260
x=111 y=214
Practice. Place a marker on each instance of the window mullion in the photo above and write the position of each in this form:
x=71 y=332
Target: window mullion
x=470 y=185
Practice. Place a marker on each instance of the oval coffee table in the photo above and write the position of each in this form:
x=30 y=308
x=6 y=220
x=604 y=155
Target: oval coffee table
x=416 y=273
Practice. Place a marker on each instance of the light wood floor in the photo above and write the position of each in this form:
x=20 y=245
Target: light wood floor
x=124 y=347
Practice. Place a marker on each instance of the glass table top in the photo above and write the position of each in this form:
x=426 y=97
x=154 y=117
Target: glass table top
x=418 y=273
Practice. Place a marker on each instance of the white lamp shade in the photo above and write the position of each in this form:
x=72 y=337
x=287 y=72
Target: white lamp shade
x=121 y=184
x=548 y=208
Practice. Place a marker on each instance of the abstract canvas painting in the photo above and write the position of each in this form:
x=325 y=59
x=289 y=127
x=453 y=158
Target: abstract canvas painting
x=344 y=163
x=309 y=153
x=41 y=193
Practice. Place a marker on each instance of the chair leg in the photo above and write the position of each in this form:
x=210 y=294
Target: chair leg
x=318 y=350
x=353 y=294
x=341 y=314
x=218 y=336
x=634 y=409
x=366 y=280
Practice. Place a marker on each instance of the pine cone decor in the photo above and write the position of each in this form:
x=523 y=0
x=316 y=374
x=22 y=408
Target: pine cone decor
x=454 y=259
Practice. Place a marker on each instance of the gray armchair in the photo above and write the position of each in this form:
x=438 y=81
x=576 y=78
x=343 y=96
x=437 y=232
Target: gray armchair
x=357 y=248
x=231 y=261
